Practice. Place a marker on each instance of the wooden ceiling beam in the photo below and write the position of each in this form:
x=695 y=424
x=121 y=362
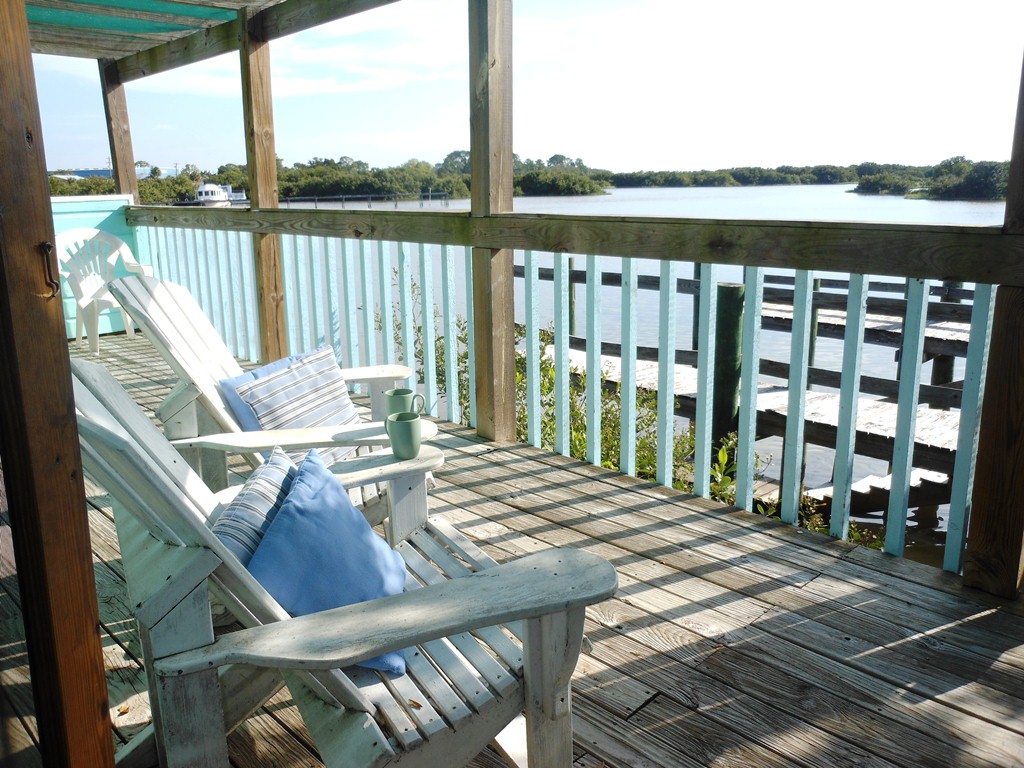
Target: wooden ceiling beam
x=199 y=46
x=70 y=41
x=294 y=16
x=269 y=24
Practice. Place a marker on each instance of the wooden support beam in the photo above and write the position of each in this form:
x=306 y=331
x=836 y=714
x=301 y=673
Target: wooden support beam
x=119 y=131
x=490 y=64
x=275 y=21
x=198 y=46
x=994 y=559
x=41 y=461
x=261 y=160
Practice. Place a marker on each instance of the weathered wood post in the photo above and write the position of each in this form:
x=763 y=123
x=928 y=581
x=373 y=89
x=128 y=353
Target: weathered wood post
x=119 y=133
x=261 y=160
x=490 y=114
x=41 y=460
x=995 y=542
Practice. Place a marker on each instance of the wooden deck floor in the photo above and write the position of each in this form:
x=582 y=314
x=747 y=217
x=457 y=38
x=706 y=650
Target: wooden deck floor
x=733 y=641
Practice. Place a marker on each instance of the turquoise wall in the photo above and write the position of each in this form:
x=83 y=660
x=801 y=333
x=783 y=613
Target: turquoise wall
x=104 y=212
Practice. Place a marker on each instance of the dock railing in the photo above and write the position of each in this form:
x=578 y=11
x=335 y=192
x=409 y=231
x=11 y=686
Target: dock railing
x=369 y=283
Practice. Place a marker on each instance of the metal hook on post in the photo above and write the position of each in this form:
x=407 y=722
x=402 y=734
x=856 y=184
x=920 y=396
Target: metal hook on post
x=53 y=281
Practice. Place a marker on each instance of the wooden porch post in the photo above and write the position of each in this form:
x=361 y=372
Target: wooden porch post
x=490 y=114
x=39 y=437
x=261 y=162
x=119 y=132
x=994 y=560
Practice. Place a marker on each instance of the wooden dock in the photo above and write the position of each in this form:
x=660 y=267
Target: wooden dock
x=942 y=337
x=935 y=436
x=733 y=640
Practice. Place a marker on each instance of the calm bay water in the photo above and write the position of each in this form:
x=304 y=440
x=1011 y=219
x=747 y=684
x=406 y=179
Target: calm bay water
x=833 y=202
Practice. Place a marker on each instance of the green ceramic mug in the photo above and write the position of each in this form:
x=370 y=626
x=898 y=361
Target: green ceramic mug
x=404 y=431
x=404 y=401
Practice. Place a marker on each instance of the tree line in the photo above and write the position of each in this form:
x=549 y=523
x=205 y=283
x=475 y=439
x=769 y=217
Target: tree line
x=956 y=178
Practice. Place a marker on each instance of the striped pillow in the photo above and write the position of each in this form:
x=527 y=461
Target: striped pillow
x=309 y=393
x=241 y=525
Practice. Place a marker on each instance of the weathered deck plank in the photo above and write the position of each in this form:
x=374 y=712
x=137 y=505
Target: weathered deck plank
x=677 y=605
x=732 y=641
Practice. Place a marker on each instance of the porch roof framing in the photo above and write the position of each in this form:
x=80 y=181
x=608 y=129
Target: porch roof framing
x=145 y=37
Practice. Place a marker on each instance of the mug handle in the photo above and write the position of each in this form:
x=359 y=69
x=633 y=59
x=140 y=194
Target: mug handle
x=423 y=403
x=387 y=425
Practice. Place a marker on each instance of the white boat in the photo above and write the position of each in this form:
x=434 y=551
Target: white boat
x=212 y=196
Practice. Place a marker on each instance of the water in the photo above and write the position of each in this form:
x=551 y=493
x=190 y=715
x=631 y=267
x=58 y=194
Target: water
x=832 y=202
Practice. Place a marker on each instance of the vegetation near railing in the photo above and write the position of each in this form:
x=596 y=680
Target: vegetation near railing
x=341 y=269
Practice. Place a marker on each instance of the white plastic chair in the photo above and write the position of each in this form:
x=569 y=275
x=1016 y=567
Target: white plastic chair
x=88 y=259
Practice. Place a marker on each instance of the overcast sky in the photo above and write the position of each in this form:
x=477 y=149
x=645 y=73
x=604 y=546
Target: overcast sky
x=643 y=85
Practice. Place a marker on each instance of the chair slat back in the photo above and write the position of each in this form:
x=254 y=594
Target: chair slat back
x=172 y=319
x=90 y=251
x=88 y=257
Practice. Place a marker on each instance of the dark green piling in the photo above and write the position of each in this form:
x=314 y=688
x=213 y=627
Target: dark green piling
x=728 y=354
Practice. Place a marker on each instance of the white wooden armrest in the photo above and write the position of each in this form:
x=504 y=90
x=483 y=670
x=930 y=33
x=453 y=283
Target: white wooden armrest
x=382 y=466
x=543 y=583
x=372 y=373
x=369 y=433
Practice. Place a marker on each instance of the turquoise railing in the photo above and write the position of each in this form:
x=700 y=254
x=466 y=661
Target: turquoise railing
x=375 y=302
x=367 y=299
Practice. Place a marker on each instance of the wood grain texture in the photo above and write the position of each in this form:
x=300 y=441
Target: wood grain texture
x=178 y=52
x=494 y=343
x=41 y=462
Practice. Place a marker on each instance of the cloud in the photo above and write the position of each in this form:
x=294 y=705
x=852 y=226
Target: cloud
x=391 y=47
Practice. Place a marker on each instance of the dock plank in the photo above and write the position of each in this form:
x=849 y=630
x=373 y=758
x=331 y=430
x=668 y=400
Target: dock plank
x=942 y=337
x=935 y=434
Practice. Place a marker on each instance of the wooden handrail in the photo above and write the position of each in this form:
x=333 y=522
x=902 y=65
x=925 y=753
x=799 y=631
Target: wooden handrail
x=965 y=253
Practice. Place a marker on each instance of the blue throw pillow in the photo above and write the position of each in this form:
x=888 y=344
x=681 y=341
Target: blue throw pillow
x=310 y=392
x=319 y=553
x=244 y=521
x=229 y=388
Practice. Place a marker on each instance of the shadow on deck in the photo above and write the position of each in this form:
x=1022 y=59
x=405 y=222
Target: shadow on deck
x=733 y=640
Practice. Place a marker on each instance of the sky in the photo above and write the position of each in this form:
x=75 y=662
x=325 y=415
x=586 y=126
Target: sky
x=643 y=85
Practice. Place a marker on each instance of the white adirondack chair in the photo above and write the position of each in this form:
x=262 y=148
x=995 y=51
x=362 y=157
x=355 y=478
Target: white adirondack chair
x=174 y=322
x=490 y=640
x=88 y=259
